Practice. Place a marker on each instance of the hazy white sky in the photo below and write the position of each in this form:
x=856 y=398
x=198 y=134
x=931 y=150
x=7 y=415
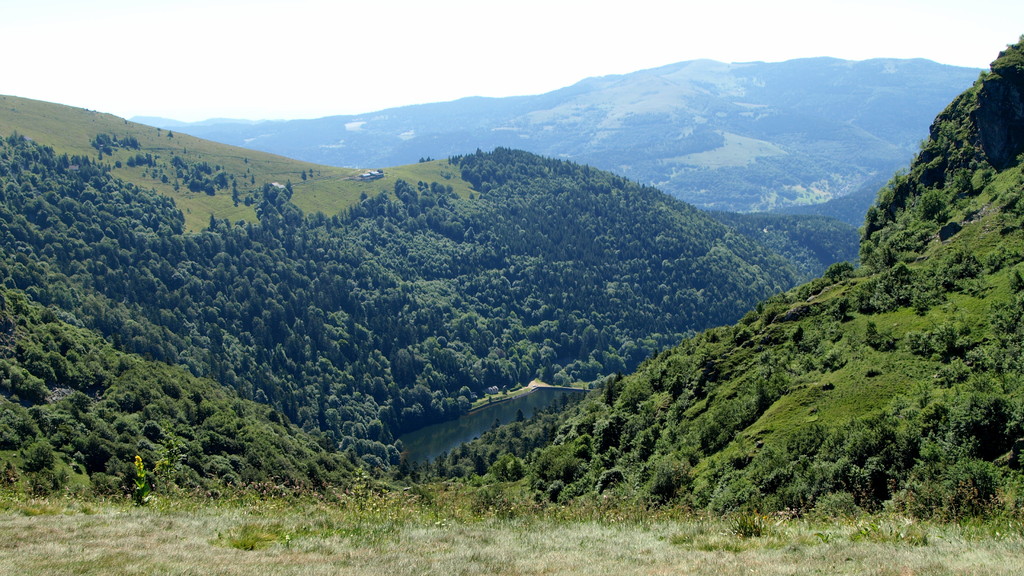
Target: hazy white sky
x=197 y=59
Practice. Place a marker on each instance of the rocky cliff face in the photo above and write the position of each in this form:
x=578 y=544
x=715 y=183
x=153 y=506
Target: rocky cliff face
x=983 y=125
x=978 y=135
x=1000 y=113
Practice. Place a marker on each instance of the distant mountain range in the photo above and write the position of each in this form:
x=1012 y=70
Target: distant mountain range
x=750 y=136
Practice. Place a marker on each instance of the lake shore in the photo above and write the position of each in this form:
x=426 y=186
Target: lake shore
x=495 y=399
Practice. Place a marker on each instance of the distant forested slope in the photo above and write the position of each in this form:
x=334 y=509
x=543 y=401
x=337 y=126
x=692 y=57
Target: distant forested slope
x=395 y=313
x=811 y=243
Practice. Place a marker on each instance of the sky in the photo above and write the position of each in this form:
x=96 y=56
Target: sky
x=192 y=60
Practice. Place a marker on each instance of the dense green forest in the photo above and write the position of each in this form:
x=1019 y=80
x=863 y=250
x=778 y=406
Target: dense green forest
x=811 y=243
x=895 y=386
x=398 y=312
x=75 y=413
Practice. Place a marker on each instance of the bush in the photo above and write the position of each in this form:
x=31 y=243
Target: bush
x=934 y=205
x=837 y=505
x=961 y=489
x=38 y=456
x=878 y=339
x=971 y=488
x=507 y=468
x=554 y=490
x=609 y=478
x=559 y=462
x=106 y=485
x=493 y=501
x=15 y=426
x=668 y=477
x=46 y=482
x=839 y=271
x=750 y=525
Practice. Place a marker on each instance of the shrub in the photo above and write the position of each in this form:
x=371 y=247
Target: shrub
x=668 y=477
x=877 y=339
x=919 y=343
x=46 y=482
x=38 y=456
x=493 y=501
x=750 y=525
x=559 y=462
x=507 y=468
x=971 y=488
x=934 y=205
x=839 y=271
x=837 y=505
x=15 y=426
x=554 y=490
x=609 y=478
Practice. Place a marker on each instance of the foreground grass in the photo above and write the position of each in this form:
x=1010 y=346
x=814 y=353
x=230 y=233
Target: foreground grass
x=449 y=534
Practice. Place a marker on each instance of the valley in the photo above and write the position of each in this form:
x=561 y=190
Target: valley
x=211 y=359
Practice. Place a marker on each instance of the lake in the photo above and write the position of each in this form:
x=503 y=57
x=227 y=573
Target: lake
x=428 y=443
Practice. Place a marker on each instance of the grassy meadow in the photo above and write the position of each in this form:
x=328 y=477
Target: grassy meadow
x=457 y=531
x=316 y=188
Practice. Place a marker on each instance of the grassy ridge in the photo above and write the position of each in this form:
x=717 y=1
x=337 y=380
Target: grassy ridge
x=323 y=189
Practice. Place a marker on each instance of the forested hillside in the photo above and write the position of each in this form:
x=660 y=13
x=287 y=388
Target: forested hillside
x=396 y=313
x=896 y=386
x=203 y=177
x=811 y=243
x=75 y=413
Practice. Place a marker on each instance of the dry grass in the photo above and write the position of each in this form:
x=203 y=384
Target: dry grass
x=399 y=535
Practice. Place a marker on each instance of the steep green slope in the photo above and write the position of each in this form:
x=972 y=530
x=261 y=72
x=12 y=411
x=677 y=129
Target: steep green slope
x=75 y=412
x=898 y=386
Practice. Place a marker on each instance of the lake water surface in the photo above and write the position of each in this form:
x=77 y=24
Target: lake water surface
x=428 y=443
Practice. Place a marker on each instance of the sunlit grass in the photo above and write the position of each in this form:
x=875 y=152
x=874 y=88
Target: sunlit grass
x=447 y=532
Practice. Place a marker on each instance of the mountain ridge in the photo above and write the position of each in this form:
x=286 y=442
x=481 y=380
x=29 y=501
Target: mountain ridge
x=749 y=136
x=205 y=178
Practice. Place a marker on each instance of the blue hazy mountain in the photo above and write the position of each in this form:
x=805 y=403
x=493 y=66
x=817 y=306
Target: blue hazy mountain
x=747 y=136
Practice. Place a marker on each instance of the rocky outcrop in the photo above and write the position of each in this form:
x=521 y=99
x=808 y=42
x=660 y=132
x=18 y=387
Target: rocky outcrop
x=1000 y=113
x=985 y=124
x=979 y=133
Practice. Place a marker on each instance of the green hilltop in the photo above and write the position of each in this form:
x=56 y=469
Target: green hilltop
x=204 y=178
